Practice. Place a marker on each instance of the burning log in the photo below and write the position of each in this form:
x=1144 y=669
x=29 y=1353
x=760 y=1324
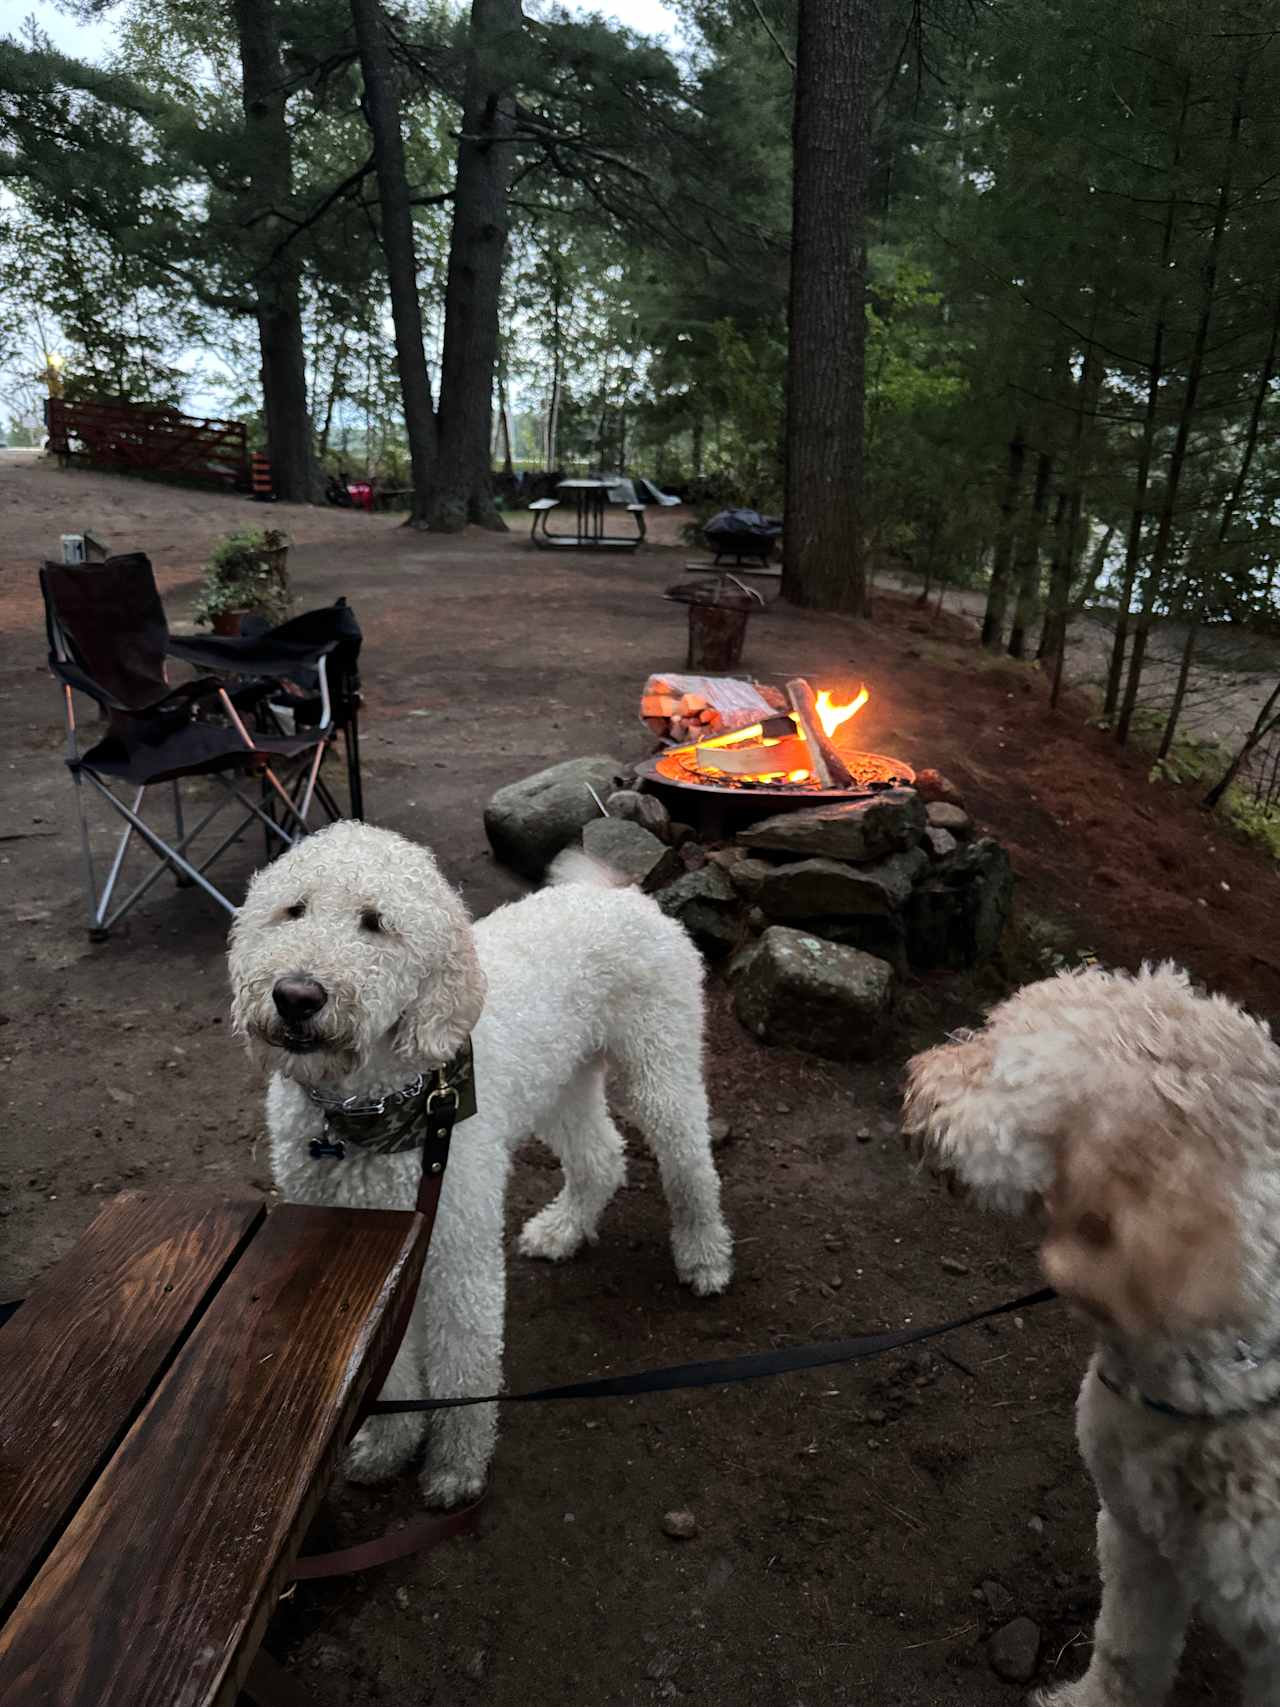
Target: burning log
x=753 y=759
x=824 y=760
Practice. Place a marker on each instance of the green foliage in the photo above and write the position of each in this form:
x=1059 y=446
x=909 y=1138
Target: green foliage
x=246 y=572
x=1257 y=823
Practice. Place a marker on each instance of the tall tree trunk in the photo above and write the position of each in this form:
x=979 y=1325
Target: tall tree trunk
x=1225 y=524
x=1263 y=724
x=382 y=113
x=1155 y=376
x=1002 y=557
x=1055 y=615
x=462 y=489
x=294 y=472
x=1068 y=537
x=1177 y=457
x=335 y=380
x=1028 y=562
x=823 y=555
x=504 y=423
x=697 y=447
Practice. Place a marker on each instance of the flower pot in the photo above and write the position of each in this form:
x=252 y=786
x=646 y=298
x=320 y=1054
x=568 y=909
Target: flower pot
x=228 y=621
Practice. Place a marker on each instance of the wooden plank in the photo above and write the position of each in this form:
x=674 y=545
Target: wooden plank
x=160 y=1588
x=82 y=1356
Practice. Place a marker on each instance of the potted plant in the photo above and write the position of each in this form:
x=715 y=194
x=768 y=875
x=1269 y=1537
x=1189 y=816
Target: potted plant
x=246 y=575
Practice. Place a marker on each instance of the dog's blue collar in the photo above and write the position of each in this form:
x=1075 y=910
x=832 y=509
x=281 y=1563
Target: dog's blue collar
x=1133 y=1395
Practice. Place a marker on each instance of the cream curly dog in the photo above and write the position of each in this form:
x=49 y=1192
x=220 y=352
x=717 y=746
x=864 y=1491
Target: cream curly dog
x=1146 y=1120
x=355 y=966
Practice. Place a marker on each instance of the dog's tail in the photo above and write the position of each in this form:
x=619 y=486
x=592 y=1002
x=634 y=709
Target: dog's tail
x=575 y=866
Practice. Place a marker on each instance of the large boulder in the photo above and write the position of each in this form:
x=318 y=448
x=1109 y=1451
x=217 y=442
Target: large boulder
x=855 y=830
x=955 y=918
x=798 y=990
x=528 y=822
x=813 y=888
x=881 y=934
x=631 y=850
x=706 y=904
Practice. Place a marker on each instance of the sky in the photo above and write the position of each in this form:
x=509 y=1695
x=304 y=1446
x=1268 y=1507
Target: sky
x=92 y=40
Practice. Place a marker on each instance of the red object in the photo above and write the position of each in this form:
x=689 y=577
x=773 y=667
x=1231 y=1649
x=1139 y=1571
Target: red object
x=361 y=494
x=148 y=438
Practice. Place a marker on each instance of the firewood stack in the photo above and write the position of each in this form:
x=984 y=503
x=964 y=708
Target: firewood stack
x=674 y=713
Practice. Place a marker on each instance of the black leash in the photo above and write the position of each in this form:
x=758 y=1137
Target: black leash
x=717 y=1372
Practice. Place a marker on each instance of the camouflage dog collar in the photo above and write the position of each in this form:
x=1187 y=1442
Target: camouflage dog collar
x=400 y=1120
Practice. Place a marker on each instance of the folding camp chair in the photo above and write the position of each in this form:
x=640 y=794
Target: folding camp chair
x=107 y=639
x=281 y=669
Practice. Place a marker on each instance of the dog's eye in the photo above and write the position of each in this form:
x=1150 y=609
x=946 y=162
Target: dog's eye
x=296 y=911
x=371 y=919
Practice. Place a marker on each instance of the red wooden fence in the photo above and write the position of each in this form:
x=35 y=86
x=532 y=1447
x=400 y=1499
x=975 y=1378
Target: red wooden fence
x=147 y=438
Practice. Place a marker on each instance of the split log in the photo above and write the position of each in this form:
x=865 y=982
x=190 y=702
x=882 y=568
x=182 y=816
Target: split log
x=756 y=760
x=825 y=762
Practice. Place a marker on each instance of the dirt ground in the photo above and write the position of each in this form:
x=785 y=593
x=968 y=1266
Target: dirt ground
x=848 y=1519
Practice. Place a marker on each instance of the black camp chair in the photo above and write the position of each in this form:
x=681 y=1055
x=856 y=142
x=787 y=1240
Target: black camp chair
x=107 y=639
x=281 y=671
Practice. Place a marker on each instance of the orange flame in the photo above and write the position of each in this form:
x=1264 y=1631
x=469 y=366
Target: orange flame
x=797 y=776
x=832 y=716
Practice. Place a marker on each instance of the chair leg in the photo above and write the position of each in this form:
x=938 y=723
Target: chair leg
x=355 y=785
x=182 y=881
x=96 y=932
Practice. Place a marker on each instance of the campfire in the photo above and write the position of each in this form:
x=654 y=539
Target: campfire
x=792 y=752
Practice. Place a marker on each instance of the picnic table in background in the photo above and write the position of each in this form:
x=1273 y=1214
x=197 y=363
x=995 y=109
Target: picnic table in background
x=174 y=1395
x=590 y=498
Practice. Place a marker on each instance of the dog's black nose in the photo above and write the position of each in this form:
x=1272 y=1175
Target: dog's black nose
x=297 y=998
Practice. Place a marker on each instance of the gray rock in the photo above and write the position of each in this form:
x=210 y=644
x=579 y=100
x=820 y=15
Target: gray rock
x=997 y=1597
x=1014 y=1651
x=954 y=819
x=720 y=1132
x=952 y=1265
x=884 y=935
x=631 y=850
x=706 y=905
x=680 y=1525
x=796 y=989
x=938 y=844
x=824 y=888
x=955 y=918
x=749 y=876
x=637 y=808
x=528 y=822
x=850 y=829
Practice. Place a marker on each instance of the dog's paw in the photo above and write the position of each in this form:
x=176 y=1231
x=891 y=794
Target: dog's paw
x=705 y=1264
x=706 y=1280
x=552 y=1235
x=447 y=1488
x=381 y=1450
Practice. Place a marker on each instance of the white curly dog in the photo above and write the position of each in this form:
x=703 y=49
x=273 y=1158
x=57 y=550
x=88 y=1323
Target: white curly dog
x=354 y=966
x=1145 y=1118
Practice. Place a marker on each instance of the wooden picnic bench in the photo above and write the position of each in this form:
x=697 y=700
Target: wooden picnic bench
x=174 y=1396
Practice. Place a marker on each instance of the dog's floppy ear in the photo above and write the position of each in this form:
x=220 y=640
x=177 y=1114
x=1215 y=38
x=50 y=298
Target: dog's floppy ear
x=970 y=1110
x=1147 y=1251
x=451 y=993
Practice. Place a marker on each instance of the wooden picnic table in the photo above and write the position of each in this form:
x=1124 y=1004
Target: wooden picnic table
x=589 y=499
x=174 y=1396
